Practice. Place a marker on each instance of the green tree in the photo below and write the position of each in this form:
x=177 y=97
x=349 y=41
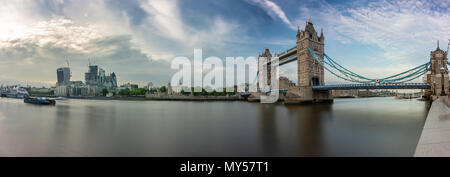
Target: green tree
x=104 y=91
x=153 y=90
x=142 y=91
x=125 y=92
x=204 y=93
x=138 y=91
x=184 y=92
x=163 y=89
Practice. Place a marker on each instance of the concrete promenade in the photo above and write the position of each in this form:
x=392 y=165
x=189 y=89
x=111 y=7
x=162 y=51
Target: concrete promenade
x=435 y=138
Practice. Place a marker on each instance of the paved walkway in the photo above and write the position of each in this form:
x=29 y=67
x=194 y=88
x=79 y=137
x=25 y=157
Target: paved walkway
x=435 y=138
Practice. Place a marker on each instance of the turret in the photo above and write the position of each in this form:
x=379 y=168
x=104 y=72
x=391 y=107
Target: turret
x=267 y=53
x=322 y=38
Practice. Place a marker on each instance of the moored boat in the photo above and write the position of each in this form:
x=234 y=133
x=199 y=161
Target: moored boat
x=14 y=92
x=60 y=98
x=39 y=101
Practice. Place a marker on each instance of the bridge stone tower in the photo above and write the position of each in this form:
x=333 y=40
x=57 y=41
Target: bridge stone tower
x=438 y=60
x=309 y=71
x=262 y=77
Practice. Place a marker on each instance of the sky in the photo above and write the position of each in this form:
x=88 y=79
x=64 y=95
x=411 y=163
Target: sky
x=137 y=39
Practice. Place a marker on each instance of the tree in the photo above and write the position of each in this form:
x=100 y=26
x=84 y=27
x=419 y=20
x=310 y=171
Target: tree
x=204 y=93
x=163 y=89
x=141 y=91
x=153 y=90
x=184 y=92
x=138 y=91
x=105 y=91
x=125 y=92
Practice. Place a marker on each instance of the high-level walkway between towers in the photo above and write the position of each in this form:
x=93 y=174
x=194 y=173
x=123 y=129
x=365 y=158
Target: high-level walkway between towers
x=397 y=81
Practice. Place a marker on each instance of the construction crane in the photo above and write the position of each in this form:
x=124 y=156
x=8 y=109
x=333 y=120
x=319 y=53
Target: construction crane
x=448 y=46
x=68 y=65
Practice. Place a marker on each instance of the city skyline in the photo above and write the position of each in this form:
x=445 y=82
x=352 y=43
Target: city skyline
x=138 y=39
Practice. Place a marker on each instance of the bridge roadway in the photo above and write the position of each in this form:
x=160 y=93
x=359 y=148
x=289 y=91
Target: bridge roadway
x=367 y=86
x=373 y=86
x=287 y=56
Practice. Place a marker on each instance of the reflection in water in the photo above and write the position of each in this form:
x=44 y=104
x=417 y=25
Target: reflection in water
x=60 y=128
x=268 y=129
x=309 y=127
x=349 y=127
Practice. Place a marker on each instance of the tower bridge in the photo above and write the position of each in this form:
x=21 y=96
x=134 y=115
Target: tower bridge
x=312 y=61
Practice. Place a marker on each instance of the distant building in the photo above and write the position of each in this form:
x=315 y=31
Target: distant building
x=42 y=90
x=110 y=81
x=150 y=85
x=62 y=90
x=96 y=79
x=169 y=89
x=76 y=83
x=129 y=86
x=91 y=77
x=63 y=76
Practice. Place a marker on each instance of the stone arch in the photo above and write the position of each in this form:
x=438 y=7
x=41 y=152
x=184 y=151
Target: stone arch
x=315 y=81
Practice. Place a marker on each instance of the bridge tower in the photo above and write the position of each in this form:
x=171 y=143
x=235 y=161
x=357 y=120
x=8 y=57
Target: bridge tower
x=309 y=71
x=262 y=77
x=438 y=60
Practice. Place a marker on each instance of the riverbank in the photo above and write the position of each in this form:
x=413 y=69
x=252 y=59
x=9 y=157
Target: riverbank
x=164 y=97
x=156 y=98
x=195 y=98
x=434 y=140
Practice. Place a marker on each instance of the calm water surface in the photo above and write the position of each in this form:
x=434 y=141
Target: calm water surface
x=349 y=127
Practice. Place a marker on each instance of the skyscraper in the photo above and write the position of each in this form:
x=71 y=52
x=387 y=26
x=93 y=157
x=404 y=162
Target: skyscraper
x=91 y=77
x=96 y=76
x=63 y=76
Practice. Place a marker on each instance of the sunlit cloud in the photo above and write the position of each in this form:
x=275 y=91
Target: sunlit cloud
x=137 y=39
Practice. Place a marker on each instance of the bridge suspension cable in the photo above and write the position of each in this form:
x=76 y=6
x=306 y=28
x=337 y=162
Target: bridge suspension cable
x=343 y=73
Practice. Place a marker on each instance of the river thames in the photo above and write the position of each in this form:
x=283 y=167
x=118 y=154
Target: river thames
x=348 y=127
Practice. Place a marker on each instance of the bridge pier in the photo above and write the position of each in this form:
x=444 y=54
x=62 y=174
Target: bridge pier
x=305 y=95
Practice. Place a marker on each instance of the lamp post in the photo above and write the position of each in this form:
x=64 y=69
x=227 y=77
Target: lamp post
x=442 y=81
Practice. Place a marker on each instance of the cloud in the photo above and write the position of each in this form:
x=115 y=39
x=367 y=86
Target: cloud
x=165 y=20
x=401 y=32
x=403 y=29
x=166 y=16
x=138 y=38
x=36 y=37
x=274 y=11
x=48 y=44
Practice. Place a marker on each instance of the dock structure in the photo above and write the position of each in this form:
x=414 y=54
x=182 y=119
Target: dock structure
x=435 y=138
